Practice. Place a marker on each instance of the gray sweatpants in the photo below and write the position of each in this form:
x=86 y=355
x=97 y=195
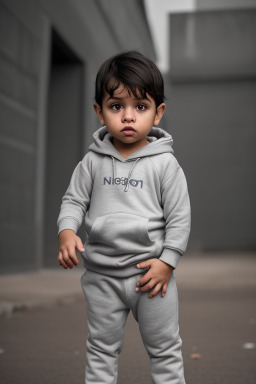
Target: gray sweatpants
x=108 y=303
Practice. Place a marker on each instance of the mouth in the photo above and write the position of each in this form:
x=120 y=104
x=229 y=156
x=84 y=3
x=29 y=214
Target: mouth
x=128 y=129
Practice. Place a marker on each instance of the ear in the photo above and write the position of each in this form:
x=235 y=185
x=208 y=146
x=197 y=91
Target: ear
x=159 y=113
x=98 y=111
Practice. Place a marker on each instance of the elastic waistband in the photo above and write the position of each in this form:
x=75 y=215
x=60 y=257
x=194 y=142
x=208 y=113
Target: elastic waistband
x=131 y=270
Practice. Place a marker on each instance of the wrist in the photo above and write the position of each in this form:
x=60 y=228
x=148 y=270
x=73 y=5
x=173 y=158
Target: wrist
x=170 y=257
x=168 y=265
x=65 y=232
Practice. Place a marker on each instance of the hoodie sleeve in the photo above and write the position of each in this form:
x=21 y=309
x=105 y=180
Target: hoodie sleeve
x=76 y=200
x=176 y=210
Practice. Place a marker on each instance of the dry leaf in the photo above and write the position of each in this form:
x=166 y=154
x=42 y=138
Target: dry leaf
x=195 y=356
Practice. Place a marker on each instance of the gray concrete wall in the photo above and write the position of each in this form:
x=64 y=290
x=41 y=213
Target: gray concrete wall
x=212 y=116
x=92 y=31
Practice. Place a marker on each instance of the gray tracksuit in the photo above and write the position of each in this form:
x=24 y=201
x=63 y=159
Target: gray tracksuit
x=135 y=208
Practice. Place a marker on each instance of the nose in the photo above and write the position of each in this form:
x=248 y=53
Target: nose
x=128 y=115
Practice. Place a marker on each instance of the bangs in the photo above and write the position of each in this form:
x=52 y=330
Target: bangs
x=113 y=84
x=133 y=71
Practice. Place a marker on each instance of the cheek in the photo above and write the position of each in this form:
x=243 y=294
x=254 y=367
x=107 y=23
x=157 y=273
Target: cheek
x=105 y=118
x=112 y=119
x=149 y=119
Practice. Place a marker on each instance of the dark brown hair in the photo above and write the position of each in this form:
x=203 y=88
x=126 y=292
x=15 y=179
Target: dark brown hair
x=136 y=72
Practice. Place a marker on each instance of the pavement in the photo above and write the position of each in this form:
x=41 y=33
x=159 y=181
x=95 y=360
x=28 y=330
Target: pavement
x=218 y=272
x=39 y=289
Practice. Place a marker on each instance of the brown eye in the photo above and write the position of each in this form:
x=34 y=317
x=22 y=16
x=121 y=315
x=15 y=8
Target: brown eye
x=116 y=107
x=141 y=107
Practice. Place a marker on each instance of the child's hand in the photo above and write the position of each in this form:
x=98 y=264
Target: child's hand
x=156 y=277
x=69 y=241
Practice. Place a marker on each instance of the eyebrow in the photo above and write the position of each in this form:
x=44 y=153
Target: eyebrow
x=121 y=98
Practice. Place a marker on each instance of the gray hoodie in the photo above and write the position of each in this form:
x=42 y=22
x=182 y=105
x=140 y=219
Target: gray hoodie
x=135 y=208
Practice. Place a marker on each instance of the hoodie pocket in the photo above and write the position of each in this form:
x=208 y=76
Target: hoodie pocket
x=120 y=233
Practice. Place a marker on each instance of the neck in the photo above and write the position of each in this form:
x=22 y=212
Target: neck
x=127 y=149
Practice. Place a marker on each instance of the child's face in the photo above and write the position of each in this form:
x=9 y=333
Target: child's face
x=137 y=116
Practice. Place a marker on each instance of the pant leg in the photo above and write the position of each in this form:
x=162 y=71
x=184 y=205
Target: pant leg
x=158 y=319
x=107 y=314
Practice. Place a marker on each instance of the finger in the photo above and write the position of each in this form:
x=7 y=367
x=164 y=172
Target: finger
x=148 y=286
x=144 y=264
x=142 y=283
x=79 y=244
x=145 y=278
x=72 y=257
x=155 y=291
x=164 y=289
x=61 y=260
x=66 y=258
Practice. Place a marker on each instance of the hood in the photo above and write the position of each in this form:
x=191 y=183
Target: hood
x=159 y=140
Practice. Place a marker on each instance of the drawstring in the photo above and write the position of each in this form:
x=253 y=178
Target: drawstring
x=114 y=168
x=129 y=175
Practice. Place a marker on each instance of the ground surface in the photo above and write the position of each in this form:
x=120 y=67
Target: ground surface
x=217 y=317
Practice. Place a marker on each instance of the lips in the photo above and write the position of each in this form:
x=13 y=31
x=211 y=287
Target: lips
x=128 y=129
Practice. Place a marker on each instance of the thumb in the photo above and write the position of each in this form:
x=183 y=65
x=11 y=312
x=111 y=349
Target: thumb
x=144 y=264
x=79 y=244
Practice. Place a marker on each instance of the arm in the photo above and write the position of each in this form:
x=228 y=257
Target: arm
x=77 y=197
x=176 y=211
x=74 y=205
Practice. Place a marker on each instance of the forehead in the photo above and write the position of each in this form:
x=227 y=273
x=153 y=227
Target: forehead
x=123 y=92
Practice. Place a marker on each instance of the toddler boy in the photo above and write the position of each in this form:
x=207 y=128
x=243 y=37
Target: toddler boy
x=133 y=195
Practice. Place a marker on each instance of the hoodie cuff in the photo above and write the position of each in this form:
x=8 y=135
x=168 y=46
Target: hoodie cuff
x=170 y=256
x=68 y=224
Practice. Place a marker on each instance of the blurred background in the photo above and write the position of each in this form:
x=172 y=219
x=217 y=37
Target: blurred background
x=50 y=52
